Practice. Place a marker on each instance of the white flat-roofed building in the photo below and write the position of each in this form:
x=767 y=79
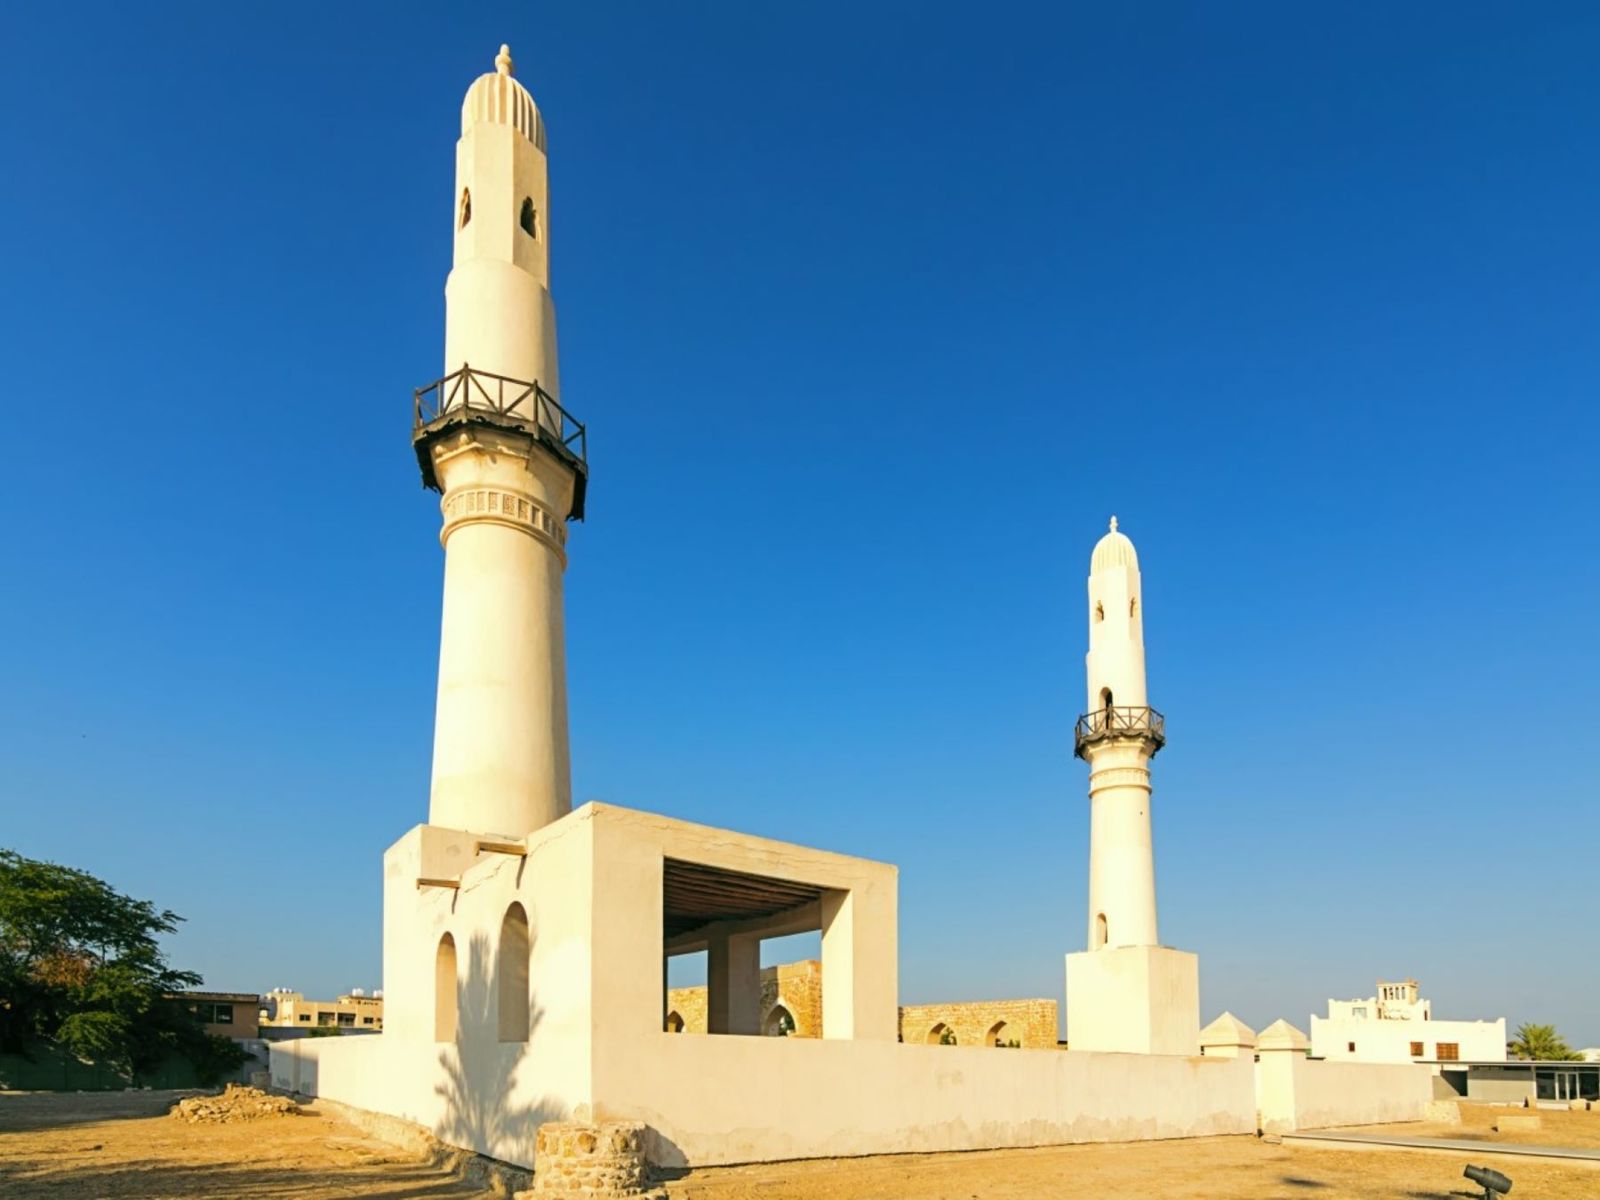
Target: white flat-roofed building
x=1397 y=1025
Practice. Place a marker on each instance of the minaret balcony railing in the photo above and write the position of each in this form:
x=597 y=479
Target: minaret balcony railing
x=473 y=396
x=1121 y=721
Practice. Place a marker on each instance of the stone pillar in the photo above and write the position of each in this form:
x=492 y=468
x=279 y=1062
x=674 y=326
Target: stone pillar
x=860 y=971
x=733 y=983
x=1280 y=1050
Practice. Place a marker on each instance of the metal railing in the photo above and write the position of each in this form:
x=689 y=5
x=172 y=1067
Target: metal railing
x=1131 y=721
x=518 y=401
x=471 y=396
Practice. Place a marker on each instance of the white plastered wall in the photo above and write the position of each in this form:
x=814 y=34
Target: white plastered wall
x=724 y=1099
x=476 y=1091
x=1295 y=1092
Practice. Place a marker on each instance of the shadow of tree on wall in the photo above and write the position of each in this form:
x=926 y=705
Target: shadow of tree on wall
x=482 y=1111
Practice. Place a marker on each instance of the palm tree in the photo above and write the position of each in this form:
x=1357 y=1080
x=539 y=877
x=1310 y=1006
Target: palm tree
x=1543 y=1043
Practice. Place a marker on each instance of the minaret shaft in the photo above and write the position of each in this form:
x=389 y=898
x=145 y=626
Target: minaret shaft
x=493 y=444
x=500 y=753
x=1126 y=993
x=1122 y=874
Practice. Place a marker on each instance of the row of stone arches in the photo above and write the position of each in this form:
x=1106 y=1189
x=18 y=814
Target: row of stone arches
x=512 y=978
x=999 y=1035
x=779 y=1022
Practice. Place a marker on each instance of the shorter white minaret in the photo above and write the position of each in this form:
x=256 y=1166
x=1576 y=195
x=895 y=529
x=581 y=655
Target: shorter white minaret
x=1118 y=736
x=1126 y=992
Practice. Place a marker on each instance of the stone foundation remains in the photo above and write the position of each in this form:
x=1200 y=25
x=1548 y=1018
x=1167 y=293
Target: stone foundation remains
x=574 y=1160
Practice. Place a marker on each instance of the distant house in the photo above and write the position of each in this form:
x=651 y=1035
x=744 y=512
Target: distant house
x=1397 y=1025
x=288 y=1014
x=234 y=1015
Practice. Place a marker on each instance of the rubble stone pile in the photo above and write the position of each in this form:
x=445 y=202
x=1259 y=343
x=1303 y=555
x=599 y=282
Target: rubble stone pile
x=236 y=1103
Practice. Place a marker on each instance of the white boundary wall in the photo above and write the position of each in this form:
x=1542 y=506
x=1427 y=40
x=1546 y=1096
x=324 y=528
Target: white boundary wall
x=1295 y=1092
x=730 y=1099
x=742 y=1099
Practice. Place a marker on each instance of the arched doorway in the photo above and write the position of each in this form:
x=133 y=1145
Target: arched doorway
x=941 y=1035
x=779 y=1022
x=674 y=1023
x=999 y=1035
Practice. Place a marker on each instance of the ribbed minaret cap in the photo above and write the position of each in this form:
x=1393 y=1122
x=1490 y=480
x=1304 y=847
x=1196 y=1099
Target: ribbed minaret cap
x=498 y=99
x=1113 y=550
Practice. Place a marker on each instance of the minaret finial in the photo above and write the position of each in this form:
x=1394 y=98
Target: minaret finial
x=1113 y=523
x=502 y=61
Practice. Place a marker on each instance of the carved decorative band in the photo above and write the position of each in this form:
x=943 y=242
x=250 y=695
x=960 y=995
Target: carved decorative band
x=464 y=506
x=1119 y=777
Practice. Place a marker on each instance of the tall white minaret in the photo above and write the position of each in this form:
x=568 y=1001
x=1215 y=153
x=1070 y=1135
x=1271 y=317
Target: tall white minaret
x=1117 y=736
x=491 y=436
x=1127 y=992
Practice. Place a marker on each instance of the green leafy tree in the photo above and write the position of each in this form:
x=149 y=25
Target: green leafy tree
x=1541 y=1042
x=81 y=966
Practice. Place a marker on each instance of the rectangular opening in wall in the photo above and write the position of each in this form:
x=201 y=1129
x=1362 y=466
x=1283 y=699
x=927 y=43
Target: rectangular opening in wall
x=686 y=993
x=791 y=985
x=1416 y=1049
x=739 y=926
x=1448 y=1052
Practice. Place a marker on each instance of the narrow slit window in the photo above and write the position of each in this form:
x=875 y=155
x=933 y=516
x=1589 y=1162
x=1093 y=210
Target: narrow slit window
x=529 y=220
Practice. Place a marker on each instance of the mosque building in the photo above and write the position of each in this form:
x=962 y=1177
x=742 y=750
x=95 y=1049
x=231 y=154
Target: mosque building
x=525 y=941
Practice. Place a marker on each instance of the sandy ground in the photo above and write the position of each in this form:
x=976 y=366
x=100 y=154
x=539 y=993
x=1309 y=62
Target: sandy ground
x=1577 y=1129
x=1236 y=1168
x=122 y=1146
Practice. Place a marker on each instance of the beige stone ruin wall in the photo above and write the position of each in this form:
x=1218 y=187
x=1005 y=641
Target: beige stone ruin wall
x=797 y=986
x=1030 y=1022
x=688 y=1003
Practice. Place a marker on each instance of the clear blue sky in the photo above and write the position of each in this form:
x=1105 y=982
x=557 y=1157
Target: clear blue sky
x=876 y=313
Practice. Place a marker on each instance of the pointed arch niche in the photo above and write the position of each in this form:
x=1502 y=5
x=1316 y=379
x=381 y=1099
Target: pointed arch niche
x=511 y=974
x=444 y=990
